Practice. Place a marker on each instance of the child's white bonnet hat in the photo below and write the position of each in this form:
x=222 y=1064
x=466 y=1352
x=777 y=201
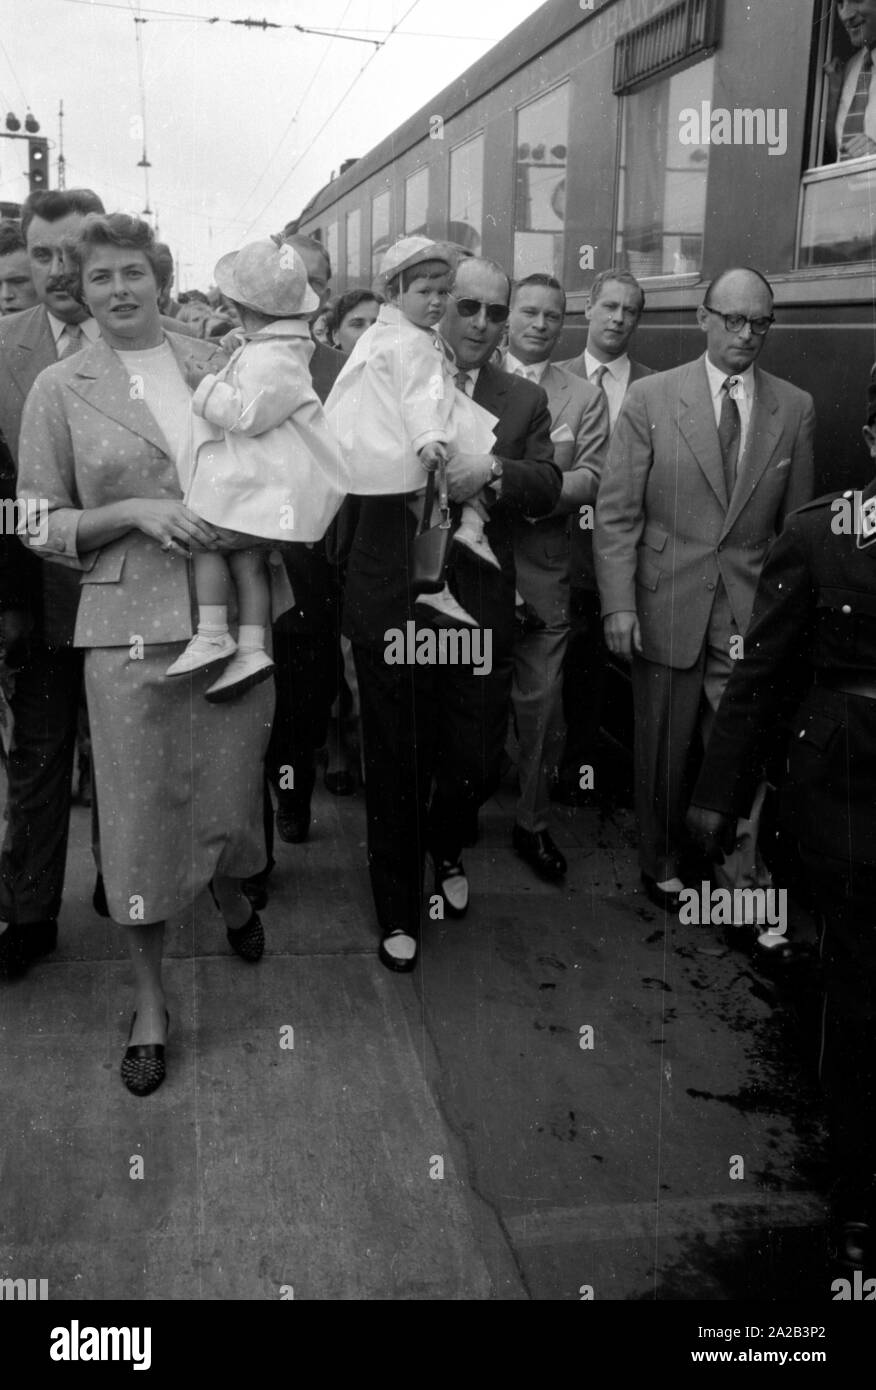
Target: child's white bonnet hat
x=266 y=277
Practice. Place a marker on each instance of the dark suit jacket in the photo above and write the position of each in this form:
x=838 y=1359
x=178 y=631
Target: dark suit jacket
x=814 y=623
x=582 y=567
x=378 y=594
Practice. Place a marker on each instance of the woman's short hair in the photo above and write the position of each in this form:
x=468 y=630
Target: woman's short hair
x=114 y=229
x=339 y=308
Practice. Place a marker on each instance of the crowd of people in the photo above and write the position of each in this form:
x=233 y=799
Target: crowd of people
x=241 y=516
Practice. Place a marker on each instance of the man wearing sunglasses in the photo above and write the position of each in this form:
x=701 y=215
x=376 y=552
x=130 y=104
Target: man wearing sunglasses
x=441 y=728
x=706 y=462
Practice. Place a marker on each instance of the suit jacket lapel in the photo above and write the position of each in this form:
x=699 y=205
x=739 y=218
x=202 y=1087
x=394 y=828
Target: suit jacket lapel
x=764 y=433
x=103 y=382
x=696 y=420
x=557 y=386
x=490 y=388
x=35 y=351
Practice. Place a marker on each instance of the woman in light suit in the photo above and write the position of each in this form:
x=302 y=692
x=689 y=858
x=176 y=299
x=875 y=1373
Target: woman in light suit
x=107 y=444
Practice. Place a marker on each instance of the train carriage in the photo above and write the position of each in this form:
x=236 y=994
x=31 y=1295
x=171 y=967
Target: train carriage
x=672 y=136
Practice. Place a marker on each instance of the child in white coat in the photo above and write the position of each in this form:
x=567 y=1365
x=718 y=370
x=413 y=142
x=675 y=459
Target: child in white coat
x=397 y=410
x=268 y=470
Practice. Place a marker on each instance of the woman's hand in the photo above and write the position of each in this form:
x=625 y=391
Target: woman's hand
x=173 y=525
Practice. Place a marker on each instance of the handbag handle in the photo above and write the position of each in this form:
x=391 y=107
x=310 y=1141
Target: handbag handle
x=429 y=501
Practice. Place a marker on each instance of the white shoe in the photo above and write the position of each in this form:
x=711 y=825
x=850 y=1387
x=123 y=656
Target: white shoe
x=202 y=651
x=446 y=611
x=243 y=671
x=476 y=542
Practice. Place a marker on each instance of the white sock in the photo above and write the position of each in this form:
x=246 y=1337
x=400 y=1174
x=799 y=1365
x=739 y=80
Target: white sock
x=212 y=619
x=250 y=638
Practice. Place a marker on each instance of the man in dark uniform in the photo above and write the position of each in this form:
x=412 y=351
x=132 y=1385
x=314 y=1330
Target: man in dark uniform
x=811 y=652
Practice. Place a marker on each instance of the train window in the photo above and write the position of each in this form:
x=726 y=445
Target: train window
x=380 y=214
x=662 y=182
x=838 y=206
x=354 y=247
x=465 y=226
x=416 y=202
x=540 y=184
x=331 y=245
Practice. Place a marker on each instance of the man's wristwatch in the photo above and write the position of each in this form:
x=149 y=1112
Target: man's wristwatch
x=496 y=470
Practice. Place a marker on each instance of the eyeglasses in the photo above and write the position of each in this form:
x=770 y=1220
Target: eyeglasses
x=467 y=308
x=734 y=323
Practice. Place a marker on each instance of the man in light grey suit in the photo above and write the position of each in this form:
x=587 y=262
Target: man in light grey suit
x=706 y=462
x=579 y=421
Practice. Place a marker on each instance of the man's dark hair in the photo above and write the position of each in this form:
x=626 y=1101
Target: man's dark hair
x=54 y=203
x=624 y=277
x=487 y=264
x=308 y=243
x=10 y=238
x=543 y=281
x=733 y=270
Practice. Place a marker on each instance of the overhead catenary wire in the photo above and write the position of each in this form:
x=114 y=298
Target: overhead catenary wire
x=335 y=109
x=266 y=24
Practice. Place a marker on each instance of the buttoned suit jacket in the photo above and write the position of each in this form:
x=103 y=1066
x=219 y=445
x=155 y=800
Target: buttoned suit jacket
x=665 y=531
x=87 y=440
x=582 y=569
x=49 y=595
x=378 y=585
x=542 y=548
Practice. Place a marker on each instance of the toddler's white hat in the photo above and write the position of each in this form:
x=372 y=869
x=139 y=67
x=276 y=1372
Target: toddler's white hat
x=266 y=277
x=407 y=252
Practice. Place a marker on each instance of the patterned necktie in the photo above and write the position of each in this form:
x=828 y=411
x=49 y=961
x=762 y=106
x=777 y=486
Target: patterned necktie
x=598 y=379
x=71 y=340
x=463 y=381
x=856 y=114
x=729 y=434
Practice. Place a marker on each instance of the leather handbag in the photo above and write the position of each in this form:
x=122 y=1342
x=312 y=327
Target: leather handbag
x=431 y=543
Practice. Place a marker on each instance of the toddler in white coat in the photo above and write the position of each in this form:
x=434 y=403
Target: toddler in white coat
x=268 y=470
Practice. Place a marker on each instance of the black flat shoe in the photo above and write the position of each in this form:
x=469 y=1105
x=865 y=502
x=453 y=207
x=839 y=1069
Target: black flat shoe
x=667 y=902
x=21 y=945
x=452 y=886
x=143 y=1068
x=540 y=853
x=248 y=941
x=780 y=958
x=341 y=783
x=397 y=963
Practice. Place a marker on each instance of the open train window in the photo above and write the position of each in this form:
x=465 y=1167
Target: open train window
x=540 y=184
x=838 y=202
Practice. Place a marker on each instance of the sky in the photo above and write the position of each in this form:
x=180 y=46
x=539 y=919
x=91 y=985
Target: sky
x=242 y=125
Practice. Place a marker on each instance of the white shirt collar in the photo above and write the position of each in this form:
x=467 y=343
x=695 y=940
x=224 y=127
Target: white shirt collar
x=615 y=369
x=89 y=327
x=534 y=370
x=717 y=379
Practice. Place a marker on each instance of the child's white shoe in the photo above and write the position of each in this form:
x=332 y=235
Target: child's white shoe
x=202 y=651
x=474 y=540
x=445 y=611
x=246 y=669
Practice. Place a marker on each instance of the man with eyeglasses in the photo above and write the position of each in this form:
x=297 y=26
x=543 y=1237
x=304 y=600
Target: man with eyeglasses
x=434 y=733
x=706 y=462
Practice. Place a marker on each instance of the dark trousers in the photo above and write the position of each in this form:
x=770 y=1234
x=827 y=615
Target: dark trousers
x=848 y=1058
x=425 y=725
x=45 y=708
x=308 y=675
x=585 y=676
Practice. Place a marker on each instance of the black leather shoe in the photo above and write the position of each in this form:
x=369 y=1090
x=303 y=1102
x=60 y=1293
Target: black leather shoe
x=293 y=821
x=341 y=783
x=540 y=853
x=143 y=1068
x=452 y=886
x=400 y=964
x=852 y=1245
x=19 y=946
x=667 y=902
x=779 y=958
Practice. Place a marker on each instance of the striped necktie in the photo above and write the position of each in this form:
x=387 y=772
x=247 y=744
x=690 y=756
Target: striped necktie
x=598 y=379
x=463 y=381
x=854 y=123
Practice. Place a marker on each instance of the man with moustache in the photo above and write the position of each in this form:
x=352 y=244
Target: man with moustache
x=38 y=605
x=579 y=418
x=443 y=724
x=705 y=464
